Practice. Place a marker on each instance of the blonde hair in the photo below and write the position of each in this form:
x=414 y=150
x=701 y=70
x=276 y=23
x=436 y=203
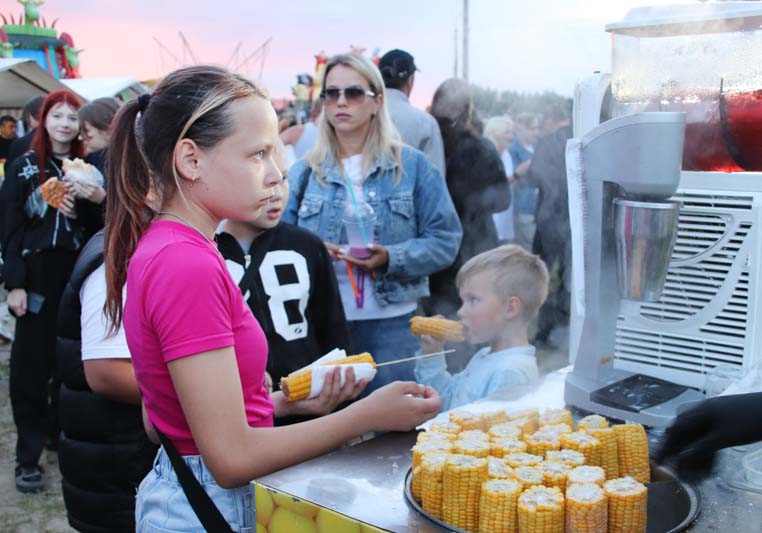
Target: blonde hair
x=383 y=144
x=497 y=126
x=515 y=272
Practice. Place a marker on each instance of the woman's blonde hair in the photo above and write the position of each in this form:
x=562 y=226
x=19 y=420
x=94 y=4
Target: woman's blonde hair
x=497 y=126
x=383 y=145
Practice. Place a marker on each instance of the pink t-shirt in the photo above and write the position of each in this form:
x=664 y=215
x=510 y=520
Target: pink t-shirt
x=181 y=301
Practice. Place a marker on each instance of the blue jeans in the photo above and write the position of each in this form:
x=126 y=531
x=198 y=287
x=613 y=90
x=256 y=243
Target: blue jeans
x=386 y=339
x=161 y=505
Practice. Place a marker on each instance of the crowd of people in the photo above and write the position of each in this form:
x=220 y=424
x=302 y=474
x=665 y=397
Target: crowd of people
x=159 y=304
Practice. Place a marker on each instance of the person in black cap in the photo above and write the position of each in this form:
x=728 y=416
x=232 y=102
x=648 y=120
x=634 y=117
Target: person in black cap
x=417 y=128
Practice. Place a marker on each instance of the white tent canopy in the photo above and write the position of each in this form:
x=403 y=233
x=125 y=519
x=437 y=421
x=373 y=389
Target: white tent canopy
x=22 y=79
x=92 y=88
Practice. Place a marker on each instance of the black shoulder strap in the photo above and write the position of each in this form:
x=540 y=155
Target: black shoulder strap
x=208 y=513
x=303 y=184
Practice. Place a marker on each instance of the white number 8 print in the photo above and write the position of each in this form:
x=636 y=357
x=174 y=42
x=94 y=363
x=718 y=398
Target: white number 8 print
x=280 y=294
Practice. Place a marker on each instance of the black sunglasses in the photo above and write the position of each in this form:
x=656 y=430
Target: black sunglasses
x=353 y=94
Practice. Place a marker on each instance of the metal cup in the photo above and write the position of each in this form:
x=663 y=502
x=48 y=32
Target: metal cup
x=645 y=235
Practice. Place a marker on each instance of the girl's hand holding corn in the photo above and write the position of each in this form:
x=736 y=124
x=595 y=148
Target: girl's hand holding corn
x=399 y=406
x=331 y=396
x=431 y=345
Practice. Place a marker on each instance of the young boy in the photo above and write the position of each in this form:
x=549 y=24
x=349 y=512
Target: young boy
x=502 y=290
x=286 y=276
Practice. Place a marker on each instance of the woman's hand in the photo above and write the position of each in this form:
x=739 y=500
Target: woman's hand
x=400 y=406
x=334 y=250
x=67 y=206
x=86 y=191
x=332 y=395
x=17 y=302
x=379 y=258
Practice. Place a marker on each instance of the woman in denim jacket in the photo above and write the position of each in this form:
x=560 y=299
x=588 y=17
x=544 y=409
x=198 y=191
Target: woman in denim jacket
x=359 y=159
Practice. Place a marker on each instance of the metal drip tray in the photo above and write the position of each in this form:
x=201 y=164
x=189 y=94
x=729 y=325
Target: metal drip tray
x=672 y=504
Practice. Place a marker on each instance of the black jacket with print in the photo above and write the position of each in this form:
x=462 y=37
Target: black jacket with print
x=29 y=224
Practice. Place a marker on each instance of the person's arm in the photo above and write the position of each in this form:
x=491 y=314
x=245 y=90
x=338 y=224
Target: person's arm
x=114 y=379
x=439 y=230
x=331 y=396
x=14 y=220
x=432 y=371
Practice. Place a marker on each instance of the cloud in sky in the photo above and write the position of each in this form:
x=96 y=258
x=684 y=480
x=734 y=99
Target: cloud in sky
x=525 y=46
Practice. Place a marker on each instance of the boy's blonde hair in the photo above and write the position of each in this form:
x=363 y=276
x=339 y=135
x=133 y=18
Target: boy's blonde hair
x=515 y=272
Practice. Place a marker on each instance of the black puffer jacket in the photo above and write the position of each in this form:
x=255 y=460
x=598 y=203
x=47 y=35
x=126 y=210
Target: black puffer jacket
x=103 y=452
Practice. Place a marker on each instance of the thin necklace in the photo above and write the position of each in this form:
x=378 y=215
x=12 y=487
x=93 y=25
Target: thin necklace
x=181 y=219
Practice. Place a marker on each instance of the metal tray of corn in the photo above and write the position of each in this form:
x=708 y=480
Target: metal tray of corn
x=673 y=504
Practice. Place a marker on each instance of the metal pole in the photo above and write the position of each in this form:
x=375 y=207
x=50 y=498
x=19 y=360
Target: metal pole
x=455 y=59
x=465 y=40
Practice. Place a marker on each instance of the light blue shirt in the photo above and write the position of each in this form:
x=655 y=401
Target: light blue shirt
x=486 y=373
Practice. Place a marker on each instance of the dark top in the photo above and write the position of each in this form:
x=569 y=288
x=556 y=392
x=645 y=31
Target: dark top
x=19 y=146
x=5 y=147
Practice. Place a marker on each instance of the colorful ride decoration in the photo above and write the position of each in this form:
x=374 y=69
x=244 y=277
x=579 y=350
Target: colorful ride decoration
x=30 y=37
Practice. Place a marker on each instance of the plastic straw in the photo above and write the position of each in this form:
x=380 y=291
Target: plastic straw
x=357 y=209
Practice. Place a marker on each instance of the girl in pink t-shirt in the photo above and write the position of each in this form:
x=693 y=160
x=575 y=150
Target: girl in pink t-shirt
x=202 y=148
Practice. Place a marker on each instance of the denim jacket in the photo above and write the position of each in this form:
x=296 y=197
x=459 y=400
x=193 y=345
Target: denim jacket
x=415 y=217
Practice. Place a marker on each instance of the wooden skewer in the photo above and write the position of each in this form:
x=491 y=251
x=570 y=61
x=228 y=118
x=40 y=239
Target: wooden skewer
x=443 y=352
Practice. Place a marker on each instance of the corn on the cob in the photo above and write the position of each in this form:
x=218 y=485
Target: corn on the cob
x=424 y=448
x=556 y=416
x=416 y=483
x=528 y=476
x=541 y=510
x=439 y=328
x=587 y=474
x=546 y=438
x=628 y=503
x=593 y=422
x=461 y=488
x=586 y=509
x=568 y=457
x=504 y=431
x=446 y=427
x=632 y=447
x=609 y=450
x=504 y=447
x=432 y=470
x=516 y=460
x=475 y=448
x=494 y=418
x=428 y=436
x=499 y=469
x=473 y=434
x=498 y=506
x=527 y=425
x=297 y=386
x=554 y=474
x=585 y=444
x=467 y=420
x=523 y=413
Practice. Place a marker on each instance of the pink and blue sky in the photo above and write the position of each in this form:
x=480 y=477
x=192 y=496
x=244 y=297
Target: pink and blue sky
x=525 y=46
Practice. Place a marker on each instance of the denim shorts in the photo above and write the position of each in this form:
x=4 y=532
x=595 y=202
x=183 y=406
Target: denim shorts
x=161 y=505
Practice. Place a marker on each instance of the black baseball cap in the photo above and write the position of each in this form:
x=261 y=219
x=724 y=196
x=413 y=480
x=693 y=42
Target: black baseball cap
x=396 y=66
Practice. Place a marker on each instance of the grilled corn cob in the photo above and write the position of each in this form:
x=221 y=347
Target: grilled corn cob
x=439 y=328
x=516 y=460
x=297 y=385
x=504 y=431
x=528 y=476
x=556 y=416
x=587 y=474
x=467 y=420
x=424 y=448
x=586 y=509
x=428 y=436
x=504 y=447
x=499 y=469
x=494 y=418
x=585 y=444
x=632 y=448
x=541 y=510
x=475 y=448
x=546 y=438
x=461 y=488
x=592 y=422
x=628 y=502
x=432 y=470
x=445 y=427
x=568 y=457
x=498 y=506
x=554 y=474
x=609 y=450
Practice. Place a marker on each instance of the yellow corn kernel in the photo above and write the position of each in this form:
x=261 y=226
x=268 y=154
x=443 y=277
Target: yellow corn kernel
x=424 y=448
x=473 y=434
x=528 y=476
x=546 y=438
x=461 y=488
x=556 y=416
x=467 y=420
x=516 y=460
x=593 y=422
x=428 y=436
x=505 y=447
x=431 y=472
x=632 y=448
x=586 y=509
x=609 y=450
x=297 y=386
x=439 y=328
x=494 y=418
x=585 y=444
x=475 y=448
x=445 y=427
x=570 y=458
x=504 y=431
x=628 y=505
x=541 y=510
x=498 y=469
x=416 y=483
x=587 y=474
x=554 y=474
x=498 y=506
